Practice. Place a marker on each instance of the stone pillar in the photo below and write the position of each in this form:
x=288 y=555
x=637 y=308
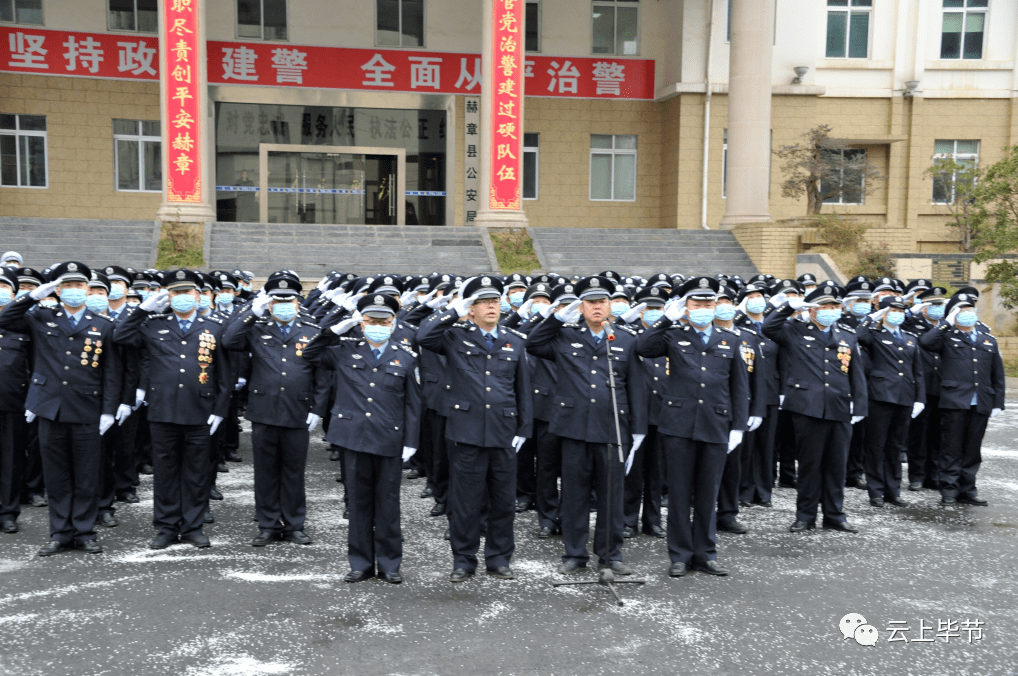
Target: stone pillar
x=749 y=113
x=501 y=150
x=187 y=185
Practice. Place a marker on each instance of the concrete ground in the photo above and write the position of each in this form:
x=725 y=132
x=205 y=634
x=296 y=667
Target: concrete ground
x=284 y=609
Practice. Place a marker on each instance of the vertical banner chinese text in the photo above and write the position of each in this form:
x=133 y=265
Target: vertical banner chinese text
x=506 y=105
x=183 y=115
x=471 y=159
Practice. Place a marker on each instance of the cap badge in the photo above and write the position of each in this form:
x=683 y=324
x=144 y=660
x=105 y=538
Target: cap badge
x=704 y=283
x=388 y=280
x=379 y=300
x=72 y=267
x=594 y=282
x=569 y=288
x=180 y=274
x=485 y=281
x=283 y=284
x=109 y=271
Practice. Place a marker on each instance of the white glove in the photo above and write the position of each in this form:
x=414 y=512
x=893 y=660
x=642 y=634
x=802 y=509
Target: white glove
x=123 y=411
x=857 y=418
x=336 y=295
x=157 y=302
x=995 y=412
x=518 y=443
x=344 y=326
x=734 y=439
x=918 y=308
x=408 y=453
x=675 y=309
x=879 y=314
x=437 y=303
x=953 y=316
x=350 y=304
x=637 y=441
x=632 y=314
x=524 y=310
x=261 y=304
x=797 y=303
x=629 y=460
x=323 y=283
x=569 y=313
x=405 y=299
x=547 y=310
x=139 y=398
x=40 y=292
x=241 y=382
x=214 y=421
x=29 y=416
x=917 y=408
x=105 y=423
x=312 y=421
x=781 y=400
x=462 y=305
x=754 y=422
x=778 y=299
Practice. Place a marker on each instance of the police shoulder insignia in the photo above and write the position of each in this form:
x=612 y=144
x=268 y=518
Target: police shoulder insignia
x=846 y=328
x=746 y=329
x=408 y=325
x=462 y=325
x=515 y=332
x=408 y=350
x=106 y=317
x=571 y=325
x=628 y=329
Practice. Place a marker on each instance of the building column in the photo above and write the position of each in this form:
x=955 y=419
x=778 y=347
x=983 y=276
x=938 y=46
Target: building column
x=501 y=149
x=183 y=86
x=749 y=113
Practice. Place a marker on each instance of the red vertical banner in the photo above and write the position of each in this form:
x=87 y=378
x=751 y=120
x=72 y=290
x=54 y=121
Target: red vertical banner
x=183 y=115
x=506 y=123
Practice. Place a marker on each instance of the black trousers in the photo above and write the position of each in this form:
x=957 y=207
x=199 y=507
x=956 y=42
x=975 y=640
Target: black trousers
x=587 y=466
x=107 y=471
x=280 y=457
x=548 y=449
x=231 y=425
x=822 y=448
x=472 y=469
x=12 y=463
x=373 y=534
x=961 y=441
x=143 y=439
x=694 y=476
x=924 y=445
x=526 y=471
x=856 y=461
x=728 y=488
x=757 y=460
x=438 y=477
x=126 y=469
x=70 y=462
x=785 y=449
x=642 y=485
x=422 y=459
x=886 y=430
x=34 y=483
x=182 y=461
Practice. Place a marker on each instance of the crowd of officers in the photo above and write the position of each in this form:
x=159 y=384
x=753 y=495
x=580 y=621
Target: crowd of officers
x=619 y=395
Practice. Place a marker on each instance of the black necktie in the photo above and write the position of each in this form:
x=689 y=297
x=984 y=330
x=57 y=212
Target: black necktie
x=377 y=353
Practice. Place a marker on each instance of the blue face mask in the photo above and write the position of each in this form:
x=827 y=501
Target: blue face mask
x=516 y=299
x=284 y=312
x=935 y=312
x=117 y=291
x=145 y=293
x=73 y=297
x=96 y=303
x=205 y=302
x=133 y=303
x=756 y=305
x=224 y=298
x=967 y=318
x=651 y=317
x=6 y=296
x=619 y=309
x=184 y=303
x=504 y=306
x=725 y=312
x=24 y=292
x=701 y=317
x=861 y=309
x=828 y=317
x=895 y=318
x=536 y=308
x=377 y=334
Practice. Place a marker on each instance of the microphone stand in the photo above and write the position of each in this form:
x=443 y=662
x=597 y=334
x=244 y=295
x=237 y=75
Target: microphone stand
x=606 y=577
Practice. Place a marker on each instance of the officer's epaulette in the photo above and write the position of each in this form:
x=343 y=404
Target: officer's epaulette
x=162 y=315
x=212 y=318
x=353 y=338
x=627 y=328
x=407 y=350
x=746 y=329
x=309 y=324
x=408 y=325
x=515 y=332
x=462 y=325
x=571 y=325
x=732 y=330
x=847 y=329
x=106 y=317
x=911 y=333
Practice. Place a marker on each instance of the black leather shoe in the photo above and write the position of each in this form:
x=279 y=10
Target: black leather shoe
x=209 y=518
x=335 y=455
x=523 y=504
x=9 y=526
x=947 y=500
x=438 y=509
x=162 y=541
x=656 y=531
x=618 y=568
x=234 y=456
x=427 y=492
x=413 y=474
x=732 y=527
x=843 y=526
x=743 y=503
x=460 y=575
x=359 y=575
x=629 y=532
x=297 y=537
x=711 y=568
x=544 y=533
x=36 y=500
x=107 y=520
x=915 y=486
x=448 y=535
x=502 y=573
x=53 y=547
x=972 y=500
x=801 y=527
x=90 y=547
x=264 y=537
x=677 y=569
x=569 y=567
x=877 y=502
x=393 y=578
x=765 y=503
x=130 y=498
x=859 y=483
x=214 y=494
x=199 y=540
x=146 y=469
x=896 y=501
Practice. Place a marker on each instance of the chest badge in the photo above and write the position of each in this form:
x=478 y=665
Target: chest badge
x=845 y=357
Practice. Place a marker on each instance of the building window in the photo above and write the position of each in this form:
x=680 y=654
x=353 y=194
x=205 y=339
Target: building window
x=137 y=162
x=21 y=11
x=531 y=167
x=133 y=15
x=724 y=166
x=532 y=27
x=23 y=151
x=963 y=153
x=848 y=186
x=848 y=28
x=261 y=19
x=399 y=23
x=728 y=21
x=613 y=167
x=616 y=27
x=963 y=28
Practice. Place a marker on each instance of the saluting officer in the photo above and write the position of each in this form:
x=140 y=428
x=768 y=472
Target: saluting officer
x=75 y=392
x=188 y=395
x=824 y=395
x=924 y=432
x=14 y=349
x=286 y=401
x=488 y=418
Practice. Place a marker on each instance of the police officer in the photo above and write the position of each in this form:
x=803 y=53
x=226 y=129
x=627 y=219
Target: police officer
x=488 y=418
x=824 y=394
x=577 y=338
x=287 y=400
x=33 y=487
x=924 y=432
x=188 y=395
x=75 y=392
x=14 y=350
x=971 y=392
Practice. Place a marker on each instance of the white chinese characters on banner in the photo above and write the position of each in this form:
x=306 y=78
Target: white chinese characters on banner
x=88 y=53
x=567 y=77
x=471 y=160
x=136 y=57
x=290 y=65
x=467 y=80
x=425 y=72
x=378 y=72
x=27 y=51
x=609 y=77
x=239 y=64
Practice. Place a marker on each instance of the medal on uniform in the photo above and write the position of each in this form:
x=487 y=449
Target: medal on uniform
x=203 y=377
x=88 y=345
x=748 y=355
x=98 y=347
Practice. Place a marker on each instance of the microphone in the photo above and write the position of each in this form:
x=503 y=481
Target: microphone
x=607 y=326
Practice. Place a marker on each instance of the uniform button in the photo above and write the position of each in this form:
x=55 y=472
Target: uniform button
x=284 y=358
x=797 y=384
x=560 y=403
x=703 y=368
x=900 y=361
x=372 y=385
x=72 y=338
x=370 y=400
x=977 y=384
x=487 y=373
x=281 y=389
x=487 y=406
x=827 y=384
x=183 y=356
x=183 y=342
x=180 y=385
x=901 y=374
x=655 y=377
x=593 y=401
x=700 y=401
x=372 y=370
x=489 y=356
x=827 y=373
x=703 y=384
x=827 y=361
x=285 y=346
x=595 y=358
x=65 y=382
x=368 y=414
x=68 y=352
x=593 y=386
x=284 y=373
x=703 y=354
x=487 y=389
x=67 y=368
x=457 y=405
x=537 y=391
x=655 y=391
x=183 y=370
x=594 y=372
x=975 y=359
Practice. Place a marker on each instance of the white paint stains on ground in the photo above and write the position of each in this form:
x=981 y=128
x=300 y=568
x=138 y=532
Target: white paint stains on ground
x=241 y=666
x=492 y=611
x=263 y=577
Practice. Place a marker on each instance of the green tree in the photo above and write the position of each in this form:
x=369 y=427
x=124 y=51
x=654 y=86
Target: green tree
x=954 y=185
x=996 y=223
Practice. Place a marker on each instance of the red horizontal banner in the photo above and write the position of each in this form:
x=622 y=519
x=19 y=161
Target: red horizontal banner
x=25 y=49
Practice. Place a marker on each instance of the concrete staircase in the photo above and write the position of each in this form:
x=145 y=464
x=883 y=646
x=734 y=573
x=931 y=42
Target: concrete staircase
x=43 y=242
x=585 y=251
x=312 y=250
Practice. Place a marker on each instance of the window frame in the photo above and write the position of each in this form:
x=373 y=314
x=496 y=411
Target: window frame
x=954 y=156
x=724 y=165
x=965 y=11
x=134 y=30
x=424 y=26
x=141 y=140
x=14 y=13
x=536 y=151
x=261 y=5
x=849 y=9
x=615 y=28
x=614 y=152
x=17 y=133
x=841 y=182
x=540 y=21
